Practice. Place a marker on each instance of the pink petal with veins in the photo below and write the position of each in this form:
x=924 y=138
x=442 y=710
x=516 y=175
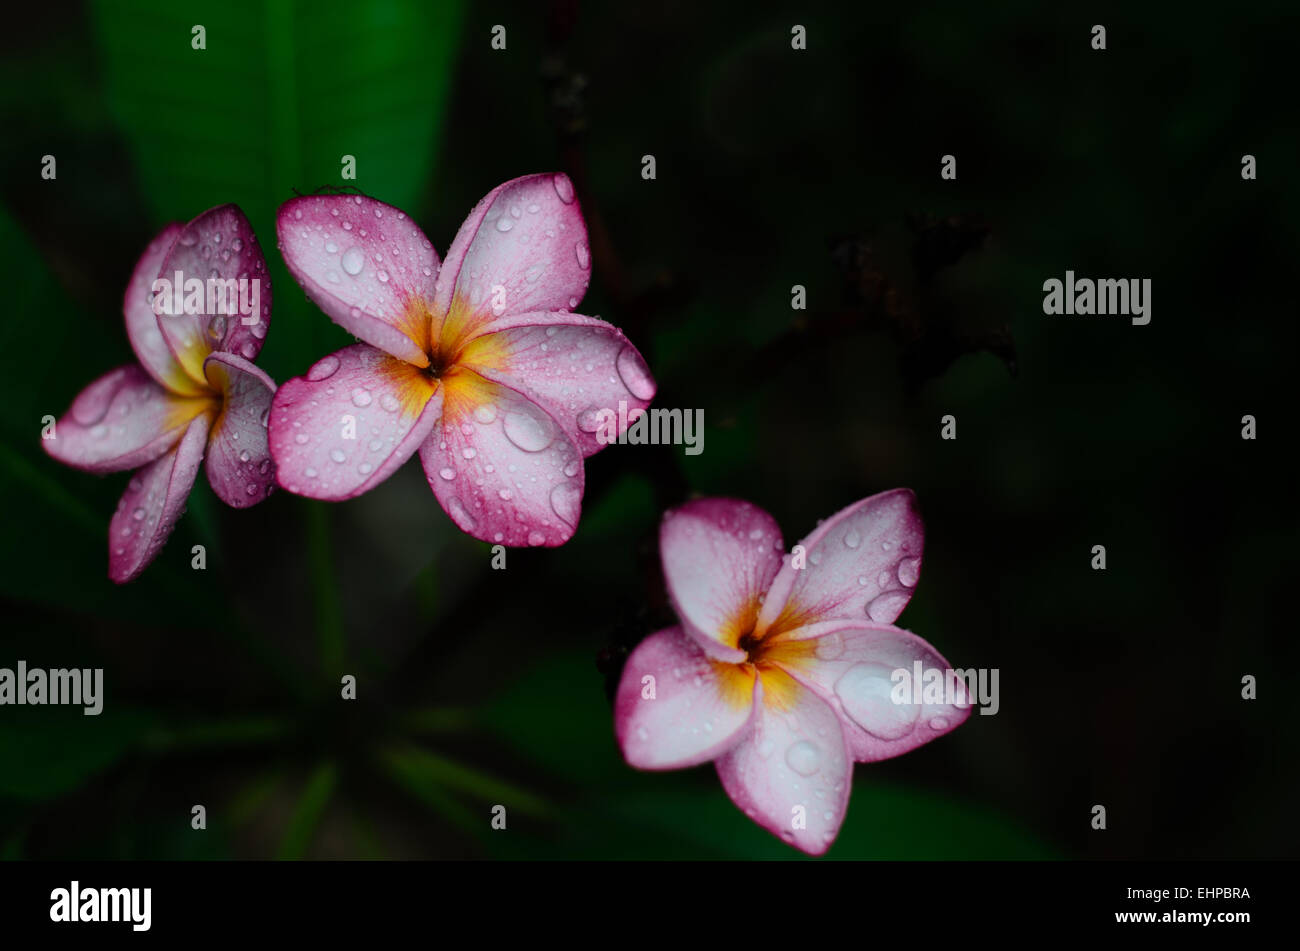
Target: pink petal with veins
x=579 y=369
x=239 y=465
x=350 y=422
x=861 y=564
x=219 y=249
x=502 y=468
x=792 y=776
x=366 y=265
x=153 y=501
x=719 y=557
x=527 y=237
x=678 y=717
x=121 y=421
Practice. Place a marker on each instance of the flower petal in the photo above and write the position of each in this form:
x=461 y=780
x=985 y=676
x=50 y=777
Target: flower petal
x=153 y=501
x=861 y=564
x=527 y=238
x=219 y=249
x=121 y=421
x=719 y=557
x=853 y=669
x=501 y=467
x=142 y=323
x=366 y=265
x=792 y=774
x=693 y=710
x=579 y=369
x=349 y=423
x=239 y=463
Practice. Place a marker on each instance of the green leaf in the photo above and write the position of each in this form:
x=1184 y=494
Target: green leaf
x=307 y=813
x=278 y=97
x=419 y=769
x=50 y=751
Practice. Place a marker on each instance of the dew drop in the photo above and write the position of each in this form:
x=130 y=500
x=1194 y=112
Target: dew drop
x=563 y=188
x=909 y=570
x=354 y=259
x=323 y=369
x=887 y=606
x=589 y=419
x=566 y=502
x=527 y=431
x=803 y=757
x=634 y=373
x=866 y=693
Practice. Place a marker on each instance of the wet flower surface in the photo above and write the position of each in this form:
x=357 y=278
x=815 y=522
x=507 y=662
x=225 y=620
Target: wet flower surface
x=781 y=670
x=476 y=362
x=194 y=395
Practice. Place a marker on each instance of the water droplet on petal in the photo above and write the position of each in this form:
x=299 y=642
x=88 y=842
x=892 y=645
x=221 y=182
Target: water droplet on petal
x=852 y=539
x=354 y=259
x=300 y=439
x=361 y=397
x=909 y=570
x=338 y=455
x=389 y=402
x=323 y=369
x=566 y=502
x=563 y=188
x=583 y=255
x=803 y=757
x=536 y=538
x=505 y=223
x=887 y=606
x=485 y=413
x=865 y=691
x=634 y=373
x=527 y=430
x=447 y=474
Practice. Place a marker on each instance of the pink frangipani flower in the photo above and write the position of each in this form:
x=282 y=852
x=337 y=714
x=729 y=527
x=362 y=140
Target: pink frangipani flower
x=781 y=668
x=476 y=362
x=194 y=393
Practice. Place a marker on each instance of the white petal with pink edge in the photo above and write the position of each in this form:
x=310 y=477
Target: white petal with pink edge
x=719 y=557
x=792 y=775
x=672 y=708
x=861 y=564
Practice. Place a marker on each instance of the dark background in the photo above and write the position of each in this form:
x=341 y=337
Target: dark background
x=775 y=168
